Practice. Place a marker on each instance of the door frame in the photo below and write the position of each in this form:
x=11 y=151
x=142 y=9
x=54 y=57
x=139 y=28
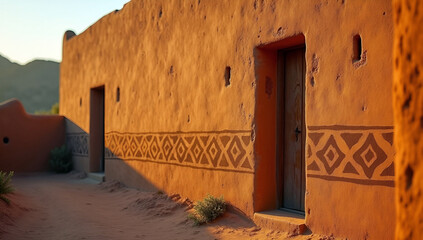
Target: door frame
x=280 y=128
x=97 y=146
x=265 y=195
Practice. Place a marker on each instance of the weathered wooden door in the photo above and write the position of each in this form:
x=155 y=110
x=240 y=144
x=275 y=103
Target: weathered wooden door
x=293 y=165
x=97 y=129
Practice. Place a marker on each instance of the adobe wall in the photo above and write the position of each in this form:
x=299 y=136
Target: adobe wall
x=179 y=127
x=408 y=100
x=26 y=140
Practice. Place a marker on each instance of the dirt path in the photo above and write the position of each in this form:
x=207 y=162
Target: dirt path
x=49 y=206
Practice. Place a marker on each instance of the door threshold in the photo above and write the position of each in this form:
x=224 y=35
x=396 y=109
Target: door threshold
x=97 y=176
x=292 y=211
x=281 y=220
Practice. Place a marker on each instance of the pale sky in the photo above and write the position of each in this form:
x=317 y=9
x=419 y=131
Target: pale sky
x=33 y=29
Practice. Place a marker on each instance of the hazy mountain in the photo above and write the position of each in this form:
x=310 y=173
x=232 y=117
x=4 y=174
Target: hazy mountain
x=35 y=84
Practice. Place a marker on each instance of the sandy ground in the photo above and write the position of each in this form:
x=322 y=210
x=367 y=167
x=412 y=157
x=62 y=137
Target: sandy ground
x=50 y=206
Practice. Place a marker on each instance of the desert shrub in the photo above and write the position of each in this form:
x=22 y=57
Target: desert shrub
x=5 y=186
x=207 y=210
x=53 y=110
x=42 y=112
x=61 y=159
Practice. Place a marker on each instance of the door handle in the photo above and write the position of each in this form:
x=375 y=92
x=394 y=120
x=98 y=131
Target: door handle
x=297 y=132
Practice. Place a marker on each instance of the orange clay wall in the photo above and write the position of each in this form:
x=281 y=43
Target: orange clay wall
x=181 y=127
x=26 y=140
x=408 y=100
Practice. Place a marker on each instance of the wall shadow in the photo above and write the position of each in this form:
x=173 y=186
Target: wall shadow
x=78 y=141
x=129 y=172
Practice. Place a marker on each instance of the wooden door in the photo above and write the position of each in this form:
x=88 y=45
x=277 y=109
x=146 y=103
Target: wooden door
x=293 y=129
x=97 y=129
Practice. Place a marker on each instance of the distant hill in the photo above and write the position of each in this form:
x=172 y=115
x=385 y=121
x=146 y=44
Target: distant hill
x=35 y=84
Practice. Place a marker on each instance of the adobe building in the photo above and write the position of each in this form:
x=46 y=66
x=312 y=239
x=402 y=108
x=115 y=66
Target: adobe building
x=408 y=100
x=26 y=140
x=282 y=107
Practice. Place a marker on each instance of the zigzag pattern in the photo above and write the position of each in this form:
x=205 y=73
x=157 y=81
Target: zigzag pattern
x=78 y=143
x=226 y=150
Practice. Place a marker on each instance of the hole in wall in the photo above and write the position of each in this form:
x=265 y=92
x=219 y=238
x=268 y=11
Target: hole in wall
x=280 y=31
x=117 y=94
x=227 y=76
x=406 y=103
x=408 y=177
x=416 y=71
x=5 y=140
x=80 y=102
x=357 y=48
x=408 y=56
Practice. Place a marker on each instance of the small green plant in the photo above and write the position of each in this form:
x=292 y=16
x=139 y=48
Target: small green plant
x=5 y=186
x=207 y=210
x=61 y=159
x=53 y=110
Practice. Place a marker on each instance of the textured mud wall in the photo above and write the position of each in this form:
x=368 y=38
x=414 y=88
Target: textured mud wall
x=26 y=140
x=408 y=106
x=77 y=140
x=176 y=118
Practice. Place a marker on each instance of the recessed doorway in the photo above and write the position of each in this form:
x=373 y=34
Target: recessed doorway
x=96 y=152
x=291 y=128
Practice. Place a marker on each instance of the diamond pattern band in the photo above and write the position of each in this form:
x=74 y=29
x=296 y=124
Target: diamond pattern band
x=363 y=155
x=223 y=150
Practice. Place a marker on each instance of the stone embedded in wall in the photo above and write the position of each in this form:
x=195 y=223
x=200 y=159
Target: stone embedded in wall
x=314 y=69
x=362 y=61
x=362 y=155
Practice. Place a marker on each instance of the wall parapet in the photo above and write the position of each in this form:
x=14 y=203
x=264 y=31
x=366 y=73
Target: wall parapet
x=37 y=135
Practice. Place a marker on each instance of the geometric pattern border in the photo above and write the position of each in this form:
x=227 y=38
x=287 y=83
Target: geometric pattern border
x=357 y=154
x=78 y=143
x=362 y=155
x=220 y=150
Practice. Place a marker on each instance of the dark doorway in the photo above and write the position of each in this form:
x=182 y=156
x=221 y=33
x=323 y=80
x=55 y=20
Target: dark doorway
x=97 y=129
x=291 y=127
